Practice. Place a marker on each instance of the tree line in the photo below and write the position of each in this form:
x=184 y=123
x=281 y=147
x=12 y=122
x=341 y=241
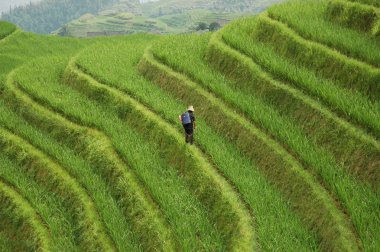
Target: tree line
x=48 y=15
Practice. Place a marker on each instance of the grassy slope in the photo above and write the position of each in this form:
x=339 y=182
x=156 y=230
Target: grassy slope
x=236 y=39
x=20 y=222
x=131 y=198
x=48 y=205
x=167 y=24
x=353 y=106
x=215 y=182
x=218 y=205
x=308 y=19
x=81 y=170
x=149 y=166
x=116 y=58
x=349 y=73
x=370 y=2
x=184 y=62
x=22 y=47
x=361 y=17
x=6 y=29
x=266 y=58
x=90 y=229
x=176 y=17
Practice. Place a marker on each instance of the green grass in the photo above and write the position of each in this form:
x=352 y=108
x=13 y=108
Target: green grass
x=370 y=2
x=346 y=72
x=126 y=188
x=353 y=106
x=151 y=95
x=254 y=143
x=48 y=205
x=308 y=18
x=84 y=173
x=312 y=155
x=91 y=234
x=6 y=29
x=287 y=144
x=213 y=191
x=146 y=164
x=309 y=114
x=20 y=222
x=345 y=193
x=353 y=15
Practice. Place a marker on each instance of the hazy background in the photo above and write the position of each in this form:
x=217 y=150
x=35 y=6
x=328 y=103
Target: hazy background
x=87 y=18
x=5 y=4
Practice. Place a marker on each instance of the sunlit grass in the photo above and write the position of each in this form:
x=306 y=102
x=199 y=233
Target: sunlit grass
x=309 y=19
x=351 y=192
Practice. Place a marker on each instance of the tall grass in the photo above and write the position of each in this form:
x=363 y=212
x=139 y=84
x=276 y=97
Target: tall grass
x=23 y=47
x=344 y=71
x=19 y=221
x=6 y=29
x=120 y=62
x=370 y=2
x=350 y=191
x=117 y=136
x=90 y=230
x=353 y=106
x=49 y=206
x=97 y=148
x=308 y=19
x=192 y=230
x=275 y=162
x=317 y=121
x=218 y=197
x=353 y=15
x=95 y=185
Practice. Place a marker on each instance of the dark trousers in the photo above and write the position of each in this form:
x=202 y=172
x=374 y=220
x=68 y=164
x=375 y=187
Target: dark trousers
x=189 y=133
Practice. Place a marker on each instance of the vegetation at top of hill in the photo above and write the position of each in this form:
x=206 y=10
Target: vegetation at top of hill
x=6 y=5
x=369 y=2
x=6 y=29
x=287 y=140
x=361 y=17
x=108 y=17
x=239 y=5
x=48 y=15
x=165 y=16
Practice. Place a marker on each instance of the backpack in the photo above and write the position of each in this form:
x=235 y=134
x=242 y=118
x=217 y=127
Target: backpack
x=185 y=118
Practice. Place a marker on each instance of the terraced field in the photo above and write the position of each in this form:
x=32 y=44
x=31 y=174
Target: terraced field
x=287 y=144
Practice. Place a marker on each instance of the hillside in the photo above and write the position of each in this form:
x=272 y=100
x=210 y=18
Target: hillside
x=5 y=5
x=85 y=18
x=46 y=16
x=287 y=140
x=162 y=17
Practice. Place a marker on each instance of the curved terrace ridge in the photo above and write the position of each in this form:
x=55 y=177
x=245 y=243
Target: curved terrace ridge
x=365 y=76
x=373 y=3
x=240 y=235
x=343 y=48
x=350 y=192
x=355 y=108
x=368 y=172
x=98 y=150
x=25 y=215
x=295 y=170
x=7 y=30
x=44 y=169
x=339 y=55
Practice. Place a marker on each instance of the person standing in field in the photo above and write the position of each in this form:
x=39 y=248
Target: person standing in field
x=188 y=122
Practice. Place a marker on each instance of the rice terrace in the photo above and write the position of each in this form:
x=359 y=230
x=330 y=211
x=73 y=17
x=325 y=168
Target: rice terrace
x=286 y=153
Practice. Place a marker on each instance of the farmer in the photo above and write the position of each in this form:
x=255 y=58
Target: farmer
x=188 y=122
